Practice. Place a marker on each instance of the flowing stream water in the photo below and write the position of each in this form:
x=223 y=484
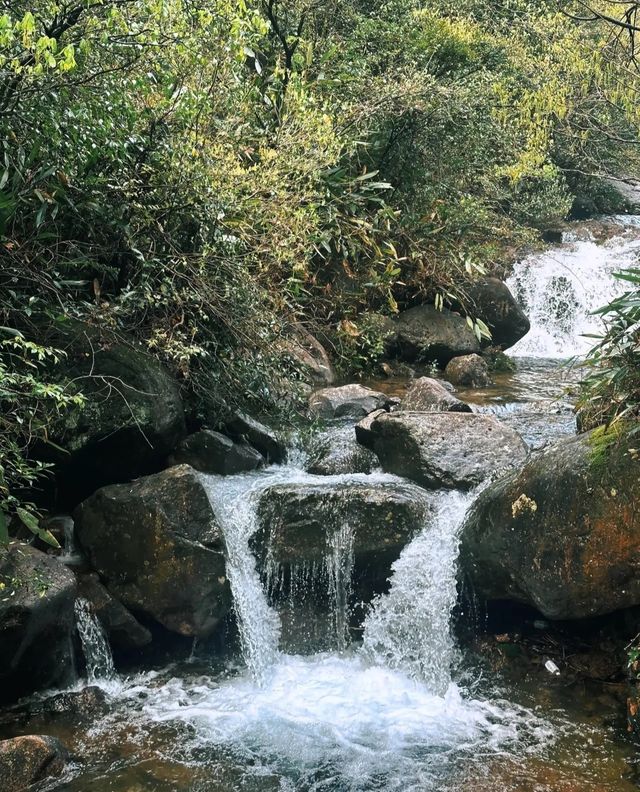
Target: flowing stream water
x=391 y=704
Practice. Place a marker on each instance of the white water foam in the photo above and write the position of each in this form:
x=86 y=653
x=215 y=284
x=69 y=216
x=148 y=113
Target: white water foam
x=408 y=628
x=559 y=290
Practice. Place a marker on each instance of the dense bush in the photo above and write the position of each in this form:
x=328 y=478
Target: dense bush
x=197 y=178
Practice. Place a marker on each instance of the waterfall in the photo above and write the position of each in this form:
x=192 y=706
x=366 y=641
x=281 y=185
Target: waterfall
x=560 y=288
x=95 y=646
x=408 y=628
x=235 y=502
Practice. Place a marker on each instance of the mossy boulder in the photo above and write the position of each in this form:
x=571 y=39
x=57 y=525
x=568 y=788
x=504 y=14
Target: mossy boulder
x=37 y=594
x=563 y=533
x=492 y=301
x=132 y=417
x=157 y=547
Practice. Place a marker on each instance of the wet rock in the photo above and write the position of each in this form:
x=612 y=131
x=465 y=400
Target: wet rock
x=132 y=418
x=29 y=760
x=492 y=302
x=563 y=533
x=428 y=335
x=337 y=451
x=121 y=626
x=468 y=371
x=451 y=450
x=429 y=395
x=212 y=452
x=243 y=427
x=363 y=432
x=82 y=704
x=347 y=401
x=299 y=522
x=158 y=549
x=37 y=593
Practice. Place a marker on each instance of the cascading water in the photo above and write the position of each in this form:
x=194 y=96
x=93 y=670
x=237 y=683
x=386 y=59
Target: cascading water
x=408 y=629
x=559 y=289
x=95 y=646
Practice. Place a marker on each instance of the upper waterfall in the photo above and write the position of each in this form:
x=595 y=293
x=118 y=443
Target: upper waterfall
x=560 y=288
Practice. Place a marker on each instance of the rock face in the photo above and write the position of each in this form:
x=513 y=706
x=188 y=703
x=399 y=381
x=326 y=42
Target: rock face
x=347 y=401
x=244 y=428
x=157 y=547
x=338 y=451
x=497 y=307
x=212 y=452
x=428 y=335
x=123 y=629
x=429 y=395
x=29 y=760
x=563 y=534
x=468 y=371
x=451 y=450
x=132 y=418
x=36 y=621
x=299 y=522
x=310 y=355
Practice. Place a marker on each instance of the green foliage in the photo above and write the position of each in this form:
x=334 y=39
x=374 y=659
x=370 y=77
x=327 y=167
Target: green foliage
x=611 y=390
x=198 y=178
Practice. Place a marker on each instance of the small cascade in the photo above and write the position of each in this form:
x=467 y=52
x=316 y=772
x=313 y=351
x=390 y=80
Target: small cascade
x=559 y=290
x=339 y=564
x=95 y=646
x=234 y=501
x=408 y=629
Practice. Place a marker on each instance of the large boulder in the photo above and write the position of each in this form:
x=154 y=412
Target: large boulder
x=212 y=452
x=300 y=522
x=157 y=547
x=446 y=449
x=132 y=417
x=429 y=395
x=563 y=533
x=468 y=371
x=492 y=302
x=244 y=428
x=347 y=401
x=37 y=593
x=121 y=626
x=427 y=335
x=29 y=760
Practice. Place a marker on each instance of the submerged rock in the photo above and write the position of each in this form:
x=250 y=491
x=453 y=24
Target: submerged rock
x=36 y=621
x=428 y=335
x=468 y=371
x=563 y=533
x=243 y=427
x=212 y=452
x=158 y=549
x=83 y=704
x=29 y=760
x=120 y=625
x=347 y=401
x=451 y=450
x=492 y=301
x=429 y=395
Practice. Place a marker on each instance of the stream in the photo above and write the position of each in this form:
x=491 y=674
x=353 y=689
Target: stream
x=398 y=702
